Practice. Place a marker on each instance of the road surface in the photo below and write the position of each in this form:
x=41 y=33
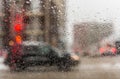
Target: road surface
x=90 y=68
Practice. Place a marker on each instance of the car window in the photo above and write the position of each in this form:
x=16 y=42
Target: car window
x=44 y=50
x=31 y=49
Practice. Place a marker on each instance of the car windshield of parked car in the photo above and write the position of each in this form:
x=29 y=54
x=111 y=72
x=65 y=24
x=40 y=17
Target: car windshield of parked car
x=43 y=50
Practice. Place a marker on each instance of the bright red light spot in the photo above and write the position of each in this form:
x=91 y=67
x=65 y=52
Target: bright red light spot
x=18 y=27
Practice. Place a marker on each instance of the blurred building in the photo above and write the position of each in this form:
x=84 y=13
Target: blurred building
x=42 y=20
x=1 y=24
x=88 y=34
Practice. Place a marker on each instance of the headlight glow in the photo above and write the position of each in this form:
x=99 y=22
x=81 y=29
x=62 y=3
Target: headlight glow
x=75 y=57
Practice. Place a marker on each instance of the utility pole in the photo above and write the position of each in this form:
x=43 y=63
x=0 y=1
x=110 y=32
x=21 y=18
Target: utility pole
x=6 y=22
x=47 y=20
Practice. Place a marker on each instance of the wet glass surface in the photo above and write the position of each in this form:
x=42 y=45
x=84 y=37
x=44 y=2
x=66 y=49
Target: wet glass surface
x=80 y=31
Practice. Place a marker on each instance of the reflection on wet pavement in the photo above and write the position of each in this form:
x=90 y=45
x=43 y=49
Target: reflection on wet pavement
x=90 y=68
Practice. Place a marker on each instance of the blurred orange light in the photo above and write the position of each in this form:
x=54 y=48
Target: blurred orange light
x=18 y=39
x=11 y=43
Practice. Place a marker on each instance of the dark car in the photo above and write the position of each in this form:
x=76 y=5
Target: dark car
x=40 y=53
x=117 y=45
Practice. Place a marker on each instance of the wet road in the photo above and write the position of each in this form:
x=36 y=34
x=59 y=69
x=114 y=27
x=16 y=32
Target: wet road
x=90 y=68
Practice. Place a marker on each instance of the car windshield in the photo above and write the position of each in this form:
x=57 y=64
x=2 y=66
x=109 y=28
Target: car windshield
x=31 y=49
x=43 y=50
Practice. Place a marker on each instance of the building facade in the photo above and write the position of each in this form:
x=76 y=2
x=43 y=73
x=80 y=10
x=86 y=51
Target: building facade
x=40 y=20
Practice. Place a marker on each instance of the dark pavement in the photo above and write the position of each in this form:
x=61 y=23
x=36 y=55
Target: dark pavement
x=90 y=68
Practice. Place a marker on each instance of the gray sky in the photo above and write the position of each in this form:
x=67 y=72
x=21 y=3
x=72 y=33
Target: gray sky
x=87 y=10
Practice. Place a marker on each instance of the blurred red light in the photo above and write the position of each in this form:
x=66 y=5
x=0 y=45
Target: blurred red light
x=18 y=27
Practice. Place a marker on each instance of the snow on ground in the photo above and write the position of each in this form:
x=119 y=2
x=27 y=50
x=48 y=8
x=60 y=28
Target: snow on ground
x=2 y=65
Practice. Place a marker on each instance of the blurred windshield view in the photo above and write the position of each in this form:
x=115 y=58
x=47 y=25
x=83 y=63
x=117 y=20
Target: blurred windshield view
x=59 y=39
